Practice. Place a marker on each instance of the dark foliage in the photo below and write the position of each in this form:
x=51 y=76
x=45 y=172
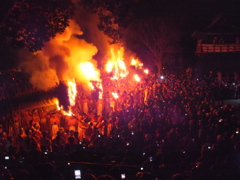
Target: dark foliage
x=31 y=23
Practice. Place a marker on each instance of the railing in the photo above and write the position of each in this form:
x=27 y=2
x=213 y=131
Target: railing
x=217 y=48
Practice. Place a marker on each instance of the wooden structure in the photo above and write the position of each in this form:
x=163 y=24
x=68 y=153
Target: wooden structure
x=218 y=46
x=219 y=37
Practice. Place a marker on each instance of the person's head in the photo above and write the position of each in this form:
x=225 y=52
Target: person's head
x=105 y=177
x=144 y=176
x=29 y=132
x=45 y=133
x=71 y=139
x=75 y=134
x=178 y=176
x=22 y=174
x=89 y=176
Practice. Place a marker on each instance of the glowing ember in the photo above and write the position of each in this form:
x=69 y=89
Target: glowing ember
x=115 y=95
x=137 y=78
x=146 y=71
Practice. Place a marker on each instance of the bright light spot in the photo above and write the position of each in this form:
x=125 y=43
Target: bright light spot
x=115 y=95
x=146 y=71
x=72 y=92
x=89 y=71
x=137 y=78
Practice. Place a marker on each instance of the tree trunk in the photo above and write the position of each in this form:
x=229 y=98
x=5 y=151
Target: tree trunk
x=159 y=66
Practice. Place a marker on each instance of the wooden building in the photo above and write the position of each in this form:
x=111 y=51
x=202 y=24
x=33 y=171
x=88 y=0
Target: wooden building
x=218 y=46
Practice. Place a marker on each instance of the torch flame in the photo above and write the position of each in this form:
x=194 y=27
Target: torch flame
x=133 y=62
x=72 y=92
x=146 y=71
x=137 y=78
x=115 y=95
x=136 y=63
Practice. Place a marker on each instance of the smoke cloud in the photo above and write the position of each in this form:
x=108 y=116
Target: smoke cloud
x=59 y=59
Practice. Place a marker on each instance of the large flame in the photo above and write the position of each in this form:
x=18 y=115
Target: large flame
x=70 y=59
x=72 y=92
x=116 y=64
x=93 y=76
x=136 y=63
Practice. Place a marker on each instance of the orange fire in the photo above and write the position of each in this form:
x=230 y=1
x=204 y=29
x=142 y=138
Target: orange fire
x=109 y=66
x=116 y=64
x=137 y=78
x=69 y=113
x=136 y=63
x=146 y=71
x=57 y=104
x=115 y=95
x=72 y=92
x=92 y=75
x=89 y=71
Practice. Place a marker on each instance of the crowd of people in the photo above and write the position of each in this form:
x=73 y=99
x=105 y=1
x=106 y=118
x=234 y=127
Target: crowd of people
x=172 y=127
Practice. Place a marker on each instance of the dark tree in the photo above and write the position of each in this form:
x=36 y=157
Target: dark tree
x=114 y=15
x=158 y=39
x=31 y=23
x=157 y=27
x=146 y=22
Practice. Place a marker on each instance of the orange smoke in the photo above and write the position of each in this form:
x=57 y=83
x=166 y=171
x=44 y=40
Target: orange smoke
x=59 y=59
